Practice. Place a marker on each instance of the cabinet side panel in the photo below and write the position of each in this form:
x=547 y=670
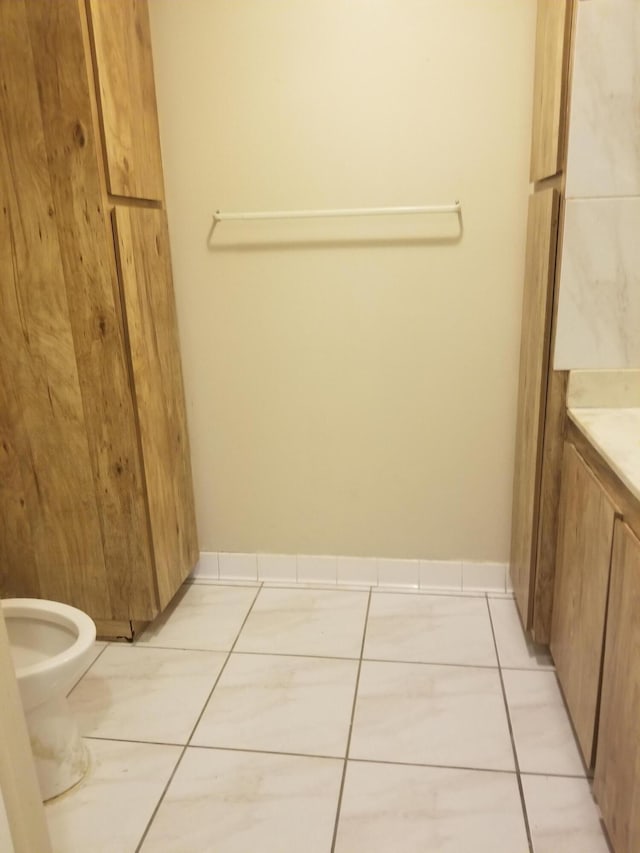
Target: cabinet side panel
x=88 y=258
x=553 y=31
x=147 y=285
x=580 y=599
x=549 y=502
x=534 y=359
x=617 y=774
x=48 y=501
x=121 y=39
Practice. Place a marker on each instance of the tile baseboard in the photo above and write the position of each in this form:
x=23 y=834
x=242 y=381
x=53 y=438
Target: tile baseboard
x=379 y=572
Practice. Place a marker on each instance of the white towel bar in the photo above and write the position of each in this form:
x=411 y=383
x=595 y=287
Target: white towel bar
x=218 y=216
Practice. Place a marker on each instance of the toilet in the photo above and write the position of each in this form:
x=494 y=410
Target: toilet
x=50 y=645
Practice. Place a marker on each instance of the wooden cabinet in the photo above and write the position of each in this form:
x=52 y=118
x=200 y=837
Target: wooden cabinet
x=142 y=241
x=553 y=32
x=587 y=516
x=542 y=391
x=595 y=638
x=542 y=229
x=96 y=504
x=121 y=41
x=617 y=773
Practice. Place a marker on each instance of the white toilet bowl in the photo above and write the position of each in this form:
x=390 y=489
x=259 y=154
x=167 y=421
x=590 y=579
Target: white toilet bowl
x=50 y=645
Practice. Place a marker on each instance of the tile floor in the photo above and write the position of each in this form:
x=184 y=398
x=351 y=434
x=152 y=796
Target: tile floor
x=259 y=718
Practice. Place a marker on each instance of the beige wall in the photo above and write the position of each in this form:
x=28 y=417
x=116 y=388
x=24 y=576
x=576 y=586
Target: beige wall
x=351 y=387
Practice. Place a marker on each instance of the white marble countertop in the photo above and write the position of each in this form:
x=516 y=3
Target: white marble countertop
x=615 y=433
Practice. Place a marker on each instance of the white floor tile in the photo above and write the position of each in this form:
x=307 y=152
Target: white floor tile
x=305 y=622
x=238 y=802
x=145 y=694
x=201 y=616
x=423 y=714
x=563 y=815
x=281 y=704
x=388 y=807
x=432 y=629
x=96 y=651
x=541 y=728
x=109 y=810
x=515 y=650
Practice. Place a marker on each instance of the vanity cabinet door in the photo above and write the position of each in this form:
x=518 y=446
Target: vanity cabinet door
x=617 y=774
x=553 y=37
x=587 y=516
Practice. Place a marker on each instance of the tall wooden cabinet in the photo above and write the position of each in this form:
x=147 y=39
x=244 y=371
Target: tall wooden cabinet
x=542 y=391
x=96 y=498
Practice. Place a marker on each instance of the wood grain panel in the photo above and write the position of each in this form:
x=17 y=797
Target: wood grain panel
x=119 y=630
x=617 y=774
x=628 y=503
x=122 y=46
x=537 y=304
x=147 y=286
x=585 y=536
x=48 y=507
x=553 y=39
x=549 y=504
x=88 y=258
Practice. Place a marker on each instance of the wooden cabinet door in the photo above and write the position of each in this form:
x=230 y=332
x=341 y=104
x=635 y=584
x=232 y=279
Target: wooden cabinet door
x=585 y=535
x=72 y=142
x=553 y=37
x=50 y=535
x=147 y=288
x=542 y=231
x=121 y=39
x=617 y=774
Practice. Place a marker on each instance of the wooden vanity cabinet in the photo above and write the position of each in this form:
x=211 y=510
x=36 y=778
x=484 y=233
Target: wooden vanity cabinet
x=617 y=772
x=96 y=498
x=595 y=638
x=587 y=516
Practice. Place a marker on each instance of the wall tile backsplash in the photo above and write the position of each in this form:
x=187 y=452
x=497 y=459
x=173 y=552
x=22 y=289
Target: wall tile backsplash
x=603 y=157
x=599 y=301
x=599 y=305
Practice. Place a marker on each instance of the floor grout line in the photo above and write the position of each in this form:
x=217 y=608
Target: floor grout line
x=353 y=714
x=523 y=804
x=384 y=761
x=186 y=746
x=87 y=668
x=220 y=651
